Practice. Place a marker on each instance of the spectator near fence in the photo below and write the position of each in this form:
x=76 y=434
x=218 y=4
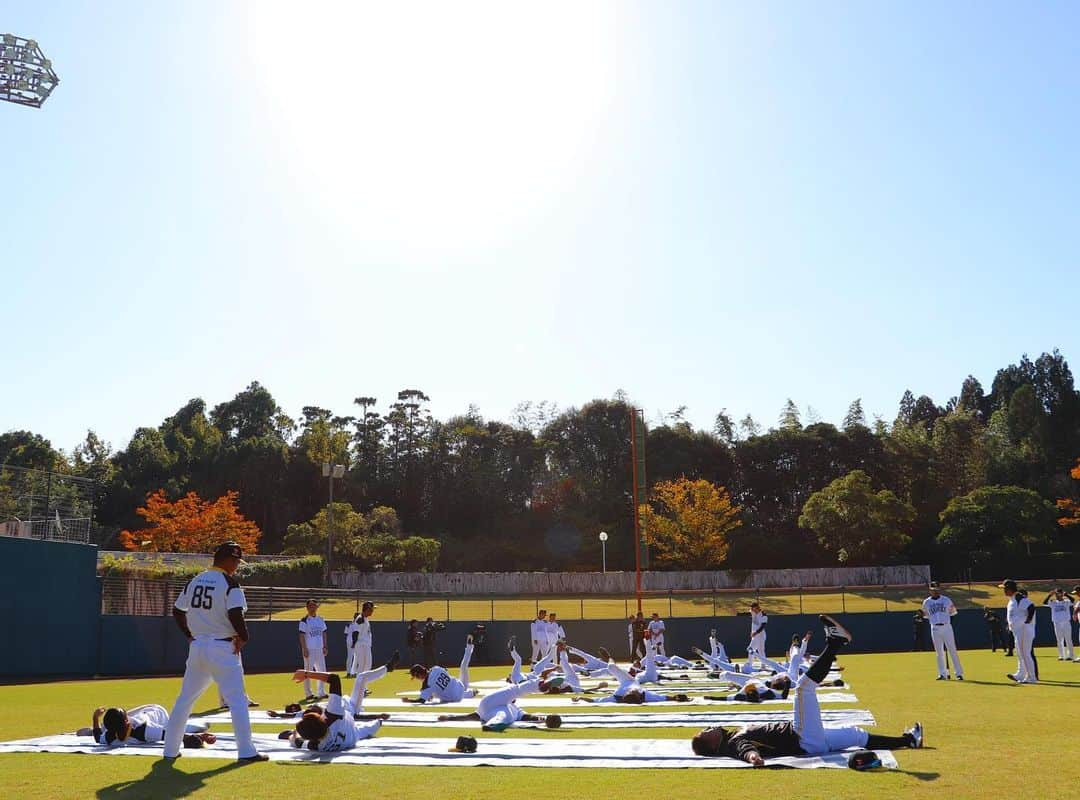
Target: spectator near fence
x=431 y=641
x=414 y=641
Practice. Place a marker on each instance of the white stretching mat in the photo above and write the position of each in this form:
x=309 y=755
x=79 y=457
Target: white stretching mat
x=549 y=751
x=564 y=701
x=840 y=717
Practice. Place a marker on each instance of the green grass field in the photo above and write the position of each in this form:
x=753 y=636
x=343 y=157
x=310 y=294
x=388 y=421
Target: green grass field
x=722 y=604
x=978 y=733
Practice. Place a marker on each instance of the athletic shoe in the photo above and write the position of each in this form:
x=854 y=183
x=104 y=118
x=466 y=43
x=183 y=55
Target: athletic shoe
x=916 y=734
x=942 y=678
x=834 y=631
x=255 y=759
x=252 y=704
x=512 y=644
x=468 y=639
x=1012 y=677
x=959 y=677
x=395 y=659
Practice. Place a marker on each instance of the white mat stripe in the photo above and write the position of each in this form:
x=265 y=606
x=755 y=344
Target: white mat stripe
x=545 y=752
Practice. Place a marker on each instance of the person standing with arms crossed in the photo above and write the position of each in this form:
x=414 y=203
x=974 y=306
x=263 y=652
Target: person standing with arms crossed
x=313 y=647
x=210 y=613
x=362 y=642
x=939 y=610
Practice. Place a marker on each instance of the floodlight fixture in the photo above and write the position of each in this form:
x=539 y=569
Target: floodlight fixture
x=26 y=76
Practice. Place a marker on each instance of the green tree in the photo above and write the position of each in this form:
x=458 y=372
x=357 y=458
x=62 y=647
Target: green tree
x=1001 y=519
x=789 y=417
x=855 y=523
x=855 y=417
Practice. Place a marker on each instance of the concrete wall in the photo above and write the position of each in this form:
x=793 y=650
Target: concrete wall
x=49 y=599
x=622 y=583
x=153 y=645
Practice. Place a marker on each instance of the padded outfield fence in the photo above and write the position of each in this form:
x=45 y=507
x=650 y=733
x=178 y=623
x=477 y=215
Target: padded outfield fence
x=147 y=597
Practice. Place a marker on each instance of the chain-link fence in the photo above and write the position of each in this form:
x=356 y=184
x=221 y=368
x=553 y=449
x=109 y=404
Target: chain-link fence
x=125 y=595
x=46 y=505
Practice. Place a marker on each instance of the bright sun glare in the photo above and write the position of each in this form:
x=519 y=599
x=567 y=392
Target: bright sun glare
x=430 y=128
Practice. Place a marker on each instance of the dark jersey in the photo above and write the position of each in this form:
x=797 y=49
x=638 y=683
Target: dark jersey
x=770 y=740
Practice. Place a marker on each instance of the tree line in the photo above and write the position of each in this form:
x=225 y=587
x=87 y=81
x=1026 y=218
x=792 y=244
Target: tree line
x=977 y=481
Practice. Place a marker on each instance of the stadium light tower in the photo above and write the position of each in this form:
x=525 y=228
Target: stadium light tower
x=26 y=76
x=330 y=471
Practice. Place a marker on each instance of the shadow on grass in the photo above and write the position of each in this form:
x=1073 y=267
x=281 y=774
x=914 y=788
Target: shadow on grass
x=163 y=780
x=922 y=776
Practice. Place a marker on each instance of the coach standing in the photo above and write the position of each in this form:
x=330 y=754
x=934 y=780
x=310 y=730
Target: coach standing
x=363 y=638
x=939 y=610
x=210 y=613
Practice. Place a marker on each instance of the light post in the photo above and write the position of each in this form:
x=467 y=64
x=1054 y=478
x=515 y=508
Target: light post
x=26 y=76
x=330 y=472
x=603 y=549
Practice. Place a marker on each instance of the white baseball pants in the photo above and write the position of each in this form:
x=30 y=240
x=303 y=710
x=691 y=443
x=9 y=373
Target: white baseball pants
x=314 y=661
x=209 y=661
x=944 y=639
x=814 y=737
x=1025 y=667
x=1063 y=635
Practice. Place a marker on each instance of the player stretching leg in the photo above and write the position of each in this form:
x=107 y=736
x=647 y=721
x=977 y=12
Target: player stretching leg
x=593 y=665
x=806 y=735
x=437 y=683
x=499 y=710
x=114 y=727
x=334 y=729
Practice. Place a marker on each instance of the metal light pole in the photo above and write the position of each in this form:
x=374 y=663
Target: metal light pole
x=26 y=76
x=330 y=472
x=603 y=549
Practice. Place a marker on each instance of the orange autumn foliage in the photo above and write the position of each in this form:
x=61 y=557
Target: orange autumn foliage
x=688 y=522
x=1070 y=508
x=191 y=525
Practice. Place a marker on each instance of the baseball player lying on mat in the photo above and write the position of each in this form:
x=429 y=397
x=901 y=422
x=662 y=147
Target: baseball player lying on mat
x=754 y=690
x=437 y=683
x=629 y=691
x=333 y=729
x=499 y=710
x=115 y=727
x=806 y=735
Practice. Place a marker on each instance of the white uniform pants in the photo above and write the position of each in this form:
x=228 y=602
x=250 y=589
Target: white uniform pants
x=500 y=700
x=1025 y=667
x=362 y=657
x=757 y=643
x=1063 y=635
x=210 y=660
x=944 y=639
x=814 y=737
x=658 y=645
x=349 y=656
x=315 y=661
x=362 y=680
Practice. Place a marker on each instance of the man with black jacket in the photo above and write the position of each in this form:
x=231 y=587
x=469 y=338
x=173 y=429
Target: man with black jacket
x=430 y=636
x=806 y=735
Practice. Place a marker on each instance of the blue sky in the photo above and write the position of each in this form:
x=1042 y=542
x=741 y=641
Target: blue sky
x=717 y=205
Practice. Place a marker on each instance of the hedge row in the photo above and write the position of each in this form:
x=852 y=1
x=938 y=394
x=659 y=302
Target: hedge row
x=304 y=571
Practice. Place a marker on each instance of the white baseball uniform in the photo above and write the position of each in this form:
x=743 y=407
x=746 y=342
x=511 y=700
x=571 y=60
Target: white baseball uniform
x=207 y=600
x=345 y=732
x=349 y=657
x=939 y=610
x=554 y=633
x=656 y=634
x=1061 y=616
x=538 y=632
x=757 y=643
x=362 y=653
x=439 y=683
x=499 y=710
x=313 y=629
x=1016 y=613
x=716 y=649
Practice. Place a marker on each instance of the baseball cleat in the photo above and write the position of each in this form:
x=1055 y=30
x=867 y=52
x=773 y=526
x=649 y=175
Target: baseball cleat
x=959 y=677
x=252 y=704
x=253 y=759
x=468 y=639
x=916 y=734
x=395 y=659
x=1012 y=677
x=512 y=644
x=834 y=631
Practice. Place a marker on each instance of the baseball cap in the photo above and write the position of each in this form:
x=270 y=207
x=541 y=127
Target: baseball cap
x=935 y=585
x=368 y=603
x=1008 y=584
x=465 y=744
x=229 y=549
